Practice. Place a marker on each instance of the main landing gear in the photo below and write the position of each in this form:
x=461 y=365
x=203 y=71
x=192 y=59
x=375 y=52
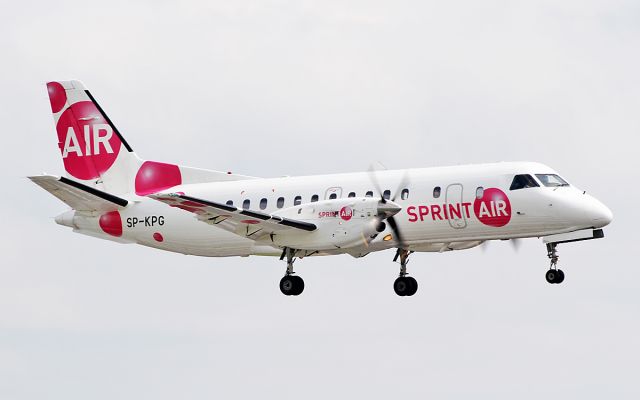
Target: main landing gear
x=404 y=285
x=553 y=275
x=290 y=285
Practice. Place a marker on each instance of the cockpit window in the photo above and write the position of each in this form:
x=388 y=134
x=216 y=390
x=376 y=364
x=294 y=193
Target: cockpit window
x=551 y=180
x=523 y=181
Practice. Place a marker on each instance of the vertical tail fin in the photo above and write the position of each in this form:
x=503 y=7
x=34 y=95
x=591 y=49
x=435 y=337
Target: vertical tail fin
x=95 y=153
x=93 y=150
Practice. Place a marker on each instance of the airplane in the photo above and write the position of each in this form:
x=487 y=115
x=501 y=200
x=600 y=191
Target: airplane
x=115 y=195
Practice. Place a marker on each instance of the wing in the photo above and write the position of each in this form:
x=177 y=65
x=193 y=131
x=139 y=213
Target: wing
x=78 y=196
x=246 y=223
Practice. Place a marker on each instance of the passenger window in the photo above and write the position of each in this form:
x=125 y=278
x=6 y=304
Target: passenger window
x=314 y=198
x=404 y=194
x=280 y=202
x=352 y=194
x=369 y=194
x=386 y=194
x=333 y=196
x=436 y=192
x=523 y=181
x=297 y=200
x=230 y=203
x=479 y=192
x=263 y=204
x=246 y=204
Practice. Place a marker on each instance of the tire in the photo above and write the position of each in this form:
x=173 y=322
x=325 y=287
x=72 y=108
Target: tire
x=559 y=276
x=288 y=285
x=413 y=285
x=401 y=286
x=551 y=276
x=298 y=285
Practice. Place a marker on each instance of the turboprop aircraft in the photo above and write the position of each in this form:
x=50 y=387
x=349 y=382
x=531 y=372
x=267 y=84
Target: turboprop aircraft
x=115 y=195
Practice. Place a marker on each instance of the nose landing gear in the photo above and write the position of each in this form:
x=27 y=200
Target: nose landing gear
x=553 y=275
x=404 y=285
x=290 y=285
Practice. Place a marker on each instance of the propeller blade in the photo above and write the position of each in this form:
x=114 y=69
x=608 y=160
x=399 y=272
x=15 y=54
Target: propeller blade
x=484 y=246
x=396 y=232
x=404 y=182
x=374 y=179
x=515 y=243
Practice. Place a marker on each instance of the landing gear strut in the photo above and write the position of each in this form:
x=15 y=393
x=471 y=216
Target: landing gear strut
x=553 y=275
x=404 y=285
x=290 y=285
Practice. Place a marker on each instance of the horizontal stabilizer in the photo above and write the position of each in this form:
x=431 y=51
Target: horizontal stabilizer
x=78 y=196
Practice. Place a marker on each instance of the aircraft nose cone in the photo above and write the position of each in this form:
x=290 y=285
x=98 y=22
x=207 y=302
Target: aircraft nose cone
x=601 y=215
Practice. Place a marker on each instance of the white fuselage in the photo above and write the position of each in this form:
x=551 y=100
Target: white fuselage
x=460 y=217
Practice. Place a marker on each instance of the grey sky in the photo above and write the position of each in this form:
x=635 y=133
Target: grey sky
x=273 y=88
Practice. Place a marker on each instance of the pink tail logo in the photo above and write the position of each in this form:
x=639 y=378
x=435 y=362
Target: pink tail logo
x=88 y=144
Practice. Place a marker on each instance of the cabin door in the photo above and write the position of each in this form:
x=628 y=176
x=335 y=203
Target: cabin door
x=454 y=209
x=333 y=193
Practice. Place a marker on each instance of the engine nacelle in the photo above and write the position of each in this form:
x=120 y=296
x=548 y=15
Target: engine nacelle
x=342 y=223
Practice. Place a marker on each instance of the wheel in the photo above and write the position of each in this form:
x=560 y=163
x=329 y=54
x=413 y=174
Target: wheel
x=551 y=276
x=298 y=285
x=559 y=276
x=291 y=285
x=402 y=287
x=287 y=285
x=413 y=285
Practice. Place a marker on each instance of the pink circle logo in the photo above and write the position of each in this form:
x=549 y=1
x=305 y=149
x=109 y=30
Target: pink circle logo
x=346 y=213
x=57 y=96
x=88 y=144
x=494 y=208
x=153 y=177
x=111 y=223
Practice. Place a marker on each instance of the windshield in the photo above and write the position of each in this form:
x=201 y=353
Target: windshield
x=551 y=180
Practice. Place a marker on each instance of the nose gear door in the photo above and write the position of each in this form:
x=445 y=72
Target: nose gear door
x=453 y=204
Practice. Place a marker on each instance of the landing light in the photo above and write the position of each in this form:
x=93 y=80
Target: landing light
x=387 y=238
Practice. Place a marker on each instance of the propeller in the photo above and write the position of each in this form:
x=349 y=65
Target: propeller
x=484 y=246
x=387 y=208
x=515 y=244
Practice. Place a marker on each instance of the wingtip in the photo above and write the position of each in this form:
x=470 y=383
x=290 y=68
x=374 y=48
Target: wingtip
x=43 y=176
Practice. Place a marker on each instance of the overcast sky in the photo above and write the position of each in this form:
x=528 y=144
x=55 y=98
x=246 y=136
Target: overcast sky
x=271 y=88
